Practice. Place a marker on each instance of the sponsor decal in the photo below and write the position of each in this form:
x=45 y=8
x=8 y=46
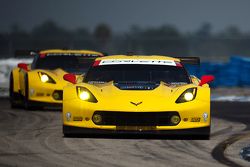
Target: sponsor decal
x=72 y=54
x=195 y=119
x=178 y=83
x=135 y=61
x=77 y=118
x=205 y=116
x=136 y=128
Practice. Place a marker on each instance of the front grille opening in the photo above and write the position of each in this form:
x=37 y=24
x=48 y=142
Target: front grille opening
x=117 y=118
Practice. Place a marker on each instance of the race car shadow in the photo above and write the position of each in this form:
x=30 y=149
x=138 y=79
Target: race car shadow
x=38 y=109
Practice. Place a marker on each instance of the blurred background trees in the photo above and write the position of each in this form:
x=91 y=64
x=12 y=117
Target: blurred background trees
x=165 y=39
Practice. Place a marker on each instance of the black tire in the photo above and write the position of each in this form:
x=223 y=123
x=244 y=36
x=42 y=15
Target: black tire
x=13 y=96
x=27 y=102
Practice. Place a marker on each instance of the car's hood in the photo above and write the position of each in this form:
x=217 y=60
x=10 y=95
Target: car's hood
x=60 y=72
x=57 y=74
x=162 y=95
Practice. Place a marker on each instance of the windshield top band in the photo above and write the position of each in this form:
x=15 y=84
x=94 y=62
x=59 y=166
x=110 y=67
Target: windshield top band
x=136 y=61
x=68 y=54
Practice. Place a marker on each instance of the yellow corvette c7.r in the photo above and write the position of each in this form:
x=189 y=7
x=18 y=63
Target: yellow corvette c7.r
x=137 y=94
x=41 y=83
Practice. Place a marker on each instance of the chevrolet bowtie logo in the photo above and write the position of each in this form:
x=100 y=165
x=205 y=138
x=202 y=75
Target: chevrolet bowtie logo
x=136 y=104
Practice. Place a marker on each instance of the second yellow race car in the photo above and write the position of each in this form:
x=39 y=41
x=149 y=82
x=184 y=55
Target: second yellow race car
x=137 y=94
x=41 y=83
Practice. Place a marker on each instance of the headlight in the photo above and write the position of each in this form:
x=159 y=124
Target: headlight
x=85 y=95
x=187 y=95
x=45 y=78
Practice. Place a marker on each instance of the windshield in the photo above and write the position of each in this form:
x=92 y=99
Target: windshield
x=70 y=63
x=137 y=73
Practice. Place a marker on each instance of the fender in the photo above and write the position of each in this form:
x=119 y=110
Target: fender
x=16 y=83
x=22 y=75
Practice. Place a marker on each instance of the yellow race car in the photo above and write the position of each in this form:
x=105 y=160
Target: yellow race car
x=137 y=94
x=40 y=83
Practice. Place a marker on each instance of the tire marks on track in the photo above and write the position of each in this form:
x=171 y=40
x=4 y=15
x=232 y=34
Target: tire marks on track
x=34 y=138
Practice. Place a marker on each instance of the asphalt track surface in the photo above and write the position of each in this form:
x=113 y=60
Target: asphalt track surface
x=34 y=138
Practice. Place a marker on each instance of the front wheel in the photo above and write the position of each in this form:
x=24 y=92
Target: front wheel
x=14 y=97
x=27 y=103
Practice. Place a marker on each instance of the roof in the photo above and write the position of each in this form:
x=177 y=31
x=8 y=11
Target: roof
x=139 y=57
x=60 y=51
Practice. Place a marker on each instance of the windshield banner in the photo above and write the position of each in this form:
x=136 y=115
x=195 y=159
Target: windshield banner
x=135 y=61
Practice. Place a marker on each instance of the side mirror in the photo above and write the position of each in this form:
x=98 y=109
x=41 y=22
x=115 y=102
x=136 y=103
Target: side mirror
x=80 y=78
x=70 y=78
x=23 y=66
x=206 y=79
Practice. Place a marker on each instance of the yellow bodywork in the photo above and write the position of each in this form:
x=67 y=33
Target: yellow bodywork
x=160 y=99
x=70 y=51
x=38 y=90
x=42 y=92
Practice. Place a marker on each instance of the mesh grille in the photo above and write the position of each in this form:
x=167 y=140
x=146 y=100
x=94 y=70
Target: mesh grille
x=136 y=118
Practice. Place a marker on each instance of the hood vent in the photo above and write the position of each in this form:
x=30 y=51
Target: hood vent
x=135 y=85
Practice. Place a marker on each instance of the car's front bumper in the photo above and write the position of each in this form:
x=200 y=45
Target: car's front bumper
x=71 y=130
x=46 y=95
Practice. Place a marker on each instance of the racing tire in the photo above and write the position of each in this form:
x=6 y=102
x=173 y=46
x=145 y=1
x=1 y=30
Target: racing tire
x=14 y=97
x=27 y=103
